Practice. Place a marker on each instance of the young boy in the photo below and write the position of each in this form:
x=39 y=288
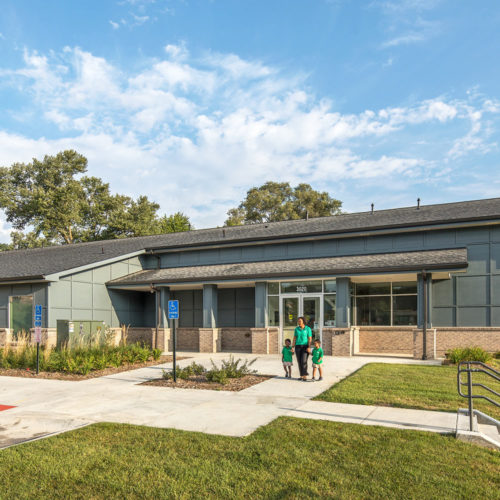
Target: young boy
x=287 y=358
x=317 y=360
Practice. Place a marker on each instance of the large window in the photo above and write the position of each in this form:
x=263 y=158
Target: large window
x=21 y=313
x=386 y=303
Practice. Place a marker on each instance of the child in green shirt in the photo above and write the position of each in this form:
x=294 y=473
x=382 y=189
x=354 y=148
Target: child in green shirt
x=287 y=358
x=317 y=360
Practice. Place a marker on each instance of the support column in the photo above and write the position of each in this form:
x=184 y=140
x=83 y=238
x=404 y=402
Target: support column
x=343 y=303
x=260 y=304
x=420 y=300
x=209 y=306
x=164 y=298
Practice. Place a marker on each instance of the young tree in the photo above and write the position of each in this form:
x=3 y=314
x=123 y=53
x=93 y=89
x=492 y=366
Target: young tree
x=275 y=201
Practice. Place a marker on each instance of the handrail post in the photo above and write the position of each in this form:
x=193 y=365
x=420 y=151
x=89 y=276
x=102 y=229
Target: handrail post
x=469 y=384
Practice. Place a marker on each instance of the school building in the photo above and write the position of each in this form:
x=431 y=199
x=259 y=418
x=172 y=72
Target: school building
x=394 y=282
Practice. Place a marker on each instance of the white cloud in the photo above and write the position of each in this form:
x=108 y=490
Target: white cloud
x=195 y=134
x=114 y=25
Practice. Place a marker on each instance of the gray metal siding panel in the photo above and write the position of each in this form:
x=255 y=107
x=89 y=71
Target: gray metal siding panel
x=84 y=296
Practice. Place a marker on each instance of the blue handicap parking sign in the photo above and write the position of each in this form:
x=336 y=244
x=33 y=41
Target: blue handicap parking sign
x=38 y=315
x=173 y=309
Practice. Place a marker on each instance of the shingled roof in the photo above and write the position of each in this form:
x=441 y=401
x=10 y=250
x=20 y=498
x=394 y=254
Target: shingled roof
x=374 y=263
x=37 y=263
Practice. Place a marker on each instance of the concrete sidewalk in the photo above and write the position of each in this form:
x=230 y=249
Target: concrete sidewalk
x=45 y=407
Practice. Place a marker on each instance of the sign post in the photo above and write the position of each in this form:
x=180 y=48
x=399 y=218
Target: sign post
x=173 y=314
x=38 y=334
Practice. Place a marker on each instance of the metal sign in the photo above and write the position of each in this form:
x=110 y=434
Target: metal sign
x=173 y=309
x=38 y=323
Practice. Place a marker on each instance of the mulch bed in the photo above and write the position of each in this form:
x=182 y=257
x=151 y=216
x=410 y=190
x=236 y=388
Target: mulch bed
x=75 y=376
x=200 y=382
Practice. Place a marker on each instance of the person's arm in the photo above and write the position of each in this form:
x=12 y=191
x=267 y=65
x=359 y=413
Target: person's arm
x=309 y=339
x=294 y=339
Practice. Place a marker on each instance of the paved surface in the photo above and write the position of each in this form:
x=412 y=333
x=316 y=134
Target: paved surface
x=46 y=407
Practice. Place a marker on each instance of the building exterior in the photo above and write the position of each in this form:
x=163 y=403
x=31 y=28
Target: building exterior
x=397 y=282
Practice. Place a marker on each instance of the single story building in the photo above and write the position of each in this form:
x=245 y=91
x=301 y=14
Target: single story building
x=384 y=282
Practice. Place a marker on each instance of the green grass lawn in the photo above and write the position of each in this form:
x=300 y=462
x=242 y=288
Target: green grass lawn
x=289 y=458
x=407 y=386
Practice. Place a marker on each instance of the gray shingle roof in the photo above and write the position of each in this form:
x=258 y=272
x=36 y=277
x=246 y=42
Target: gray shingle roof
x=24 y=264
x=373 y=263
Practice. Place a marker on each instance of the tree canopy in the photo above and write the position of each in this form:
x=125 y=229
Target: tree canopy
x=56 y=204
x=277 y=201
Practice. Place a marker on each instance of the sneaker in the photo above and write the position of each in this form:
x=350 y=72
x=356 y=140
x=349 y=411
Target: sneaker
x=320 y=378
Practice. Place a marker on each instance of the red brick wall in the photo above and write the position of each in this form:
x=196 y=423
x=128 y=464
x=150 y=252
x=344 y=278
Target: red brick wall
x=236 y=339
x=448 y=338
x=274 y=347
x=188 y=339
x=386 y=340
x=337 y=341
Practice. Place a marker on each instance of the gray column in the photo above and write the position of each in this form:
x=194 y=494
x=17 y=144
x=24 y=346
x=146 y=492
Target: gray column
x=209 y=306
x=260 y=304
x=420 y=300
x=165 y=297
x=343 y=303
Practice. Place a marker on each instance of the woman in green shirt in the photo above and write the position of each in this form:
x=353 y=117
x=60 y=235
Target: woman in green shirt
x=302 y=338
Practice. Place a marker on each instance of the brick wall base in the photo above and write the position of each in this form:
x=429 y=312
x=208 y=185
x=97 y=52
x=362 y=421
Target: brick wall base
x=338 y=341
x=236 y=339
x=386 y=340
x=149 y=338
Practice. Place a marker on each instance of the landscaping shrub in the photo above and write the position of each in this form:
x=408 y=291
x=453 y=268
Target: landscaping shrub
x=79 y=360
x=468 y=354
x=186 y=372
x=497 y=355
x=229 y=368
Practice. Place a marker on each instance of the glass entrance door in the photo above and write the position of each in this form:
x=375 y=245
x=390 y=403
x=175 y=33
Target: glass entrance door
x=300 y=305
x=311 y=312
x=289 y=316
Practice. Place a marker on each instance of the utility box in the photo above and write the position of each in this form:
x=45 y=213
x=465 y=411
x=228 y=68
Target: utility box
x=72 y=333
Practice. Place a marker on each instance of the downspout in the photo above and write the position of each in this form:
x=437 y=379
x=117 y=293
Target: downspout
x=424 y=340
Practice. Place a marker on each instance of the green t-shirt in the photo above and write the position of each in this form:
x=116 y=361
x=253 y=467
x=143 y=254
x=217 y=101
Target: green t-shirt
x=287 y=354
x=317 y=356
x=301 y=335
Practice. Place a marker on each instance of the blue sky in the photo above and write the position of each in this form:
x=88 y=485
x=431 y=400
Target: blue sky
x=192 y=102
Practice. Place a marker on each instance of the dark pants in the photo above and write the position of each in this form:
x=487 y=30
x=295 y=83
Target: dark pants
x=302 y=355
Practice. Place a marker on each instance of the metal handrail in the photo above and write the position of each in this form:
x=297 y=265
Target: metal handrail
x=483 y=368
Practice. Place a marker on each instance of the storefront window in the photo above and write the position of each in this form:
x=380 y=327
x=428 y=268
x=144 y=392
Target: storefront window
x=330 y=286
x=373 y=288
x=386 y=303
x=273 y=307
x=329 y=309
x=404 y=288
x=405 y=310
x=373 y=310
x=273 y=288
x=302 y=287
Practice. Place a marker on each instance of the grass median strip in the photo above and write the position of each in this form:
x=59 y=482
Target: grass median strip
x=407 y=386
x=289 y=458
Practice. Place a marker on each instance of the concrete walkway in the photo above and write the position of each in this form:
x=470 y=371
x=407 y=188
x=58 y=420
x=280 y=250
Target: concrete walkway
x=45 y=407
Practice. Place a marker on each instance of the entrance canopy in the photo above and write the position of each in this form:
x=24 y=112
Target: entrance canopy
x=394 y=262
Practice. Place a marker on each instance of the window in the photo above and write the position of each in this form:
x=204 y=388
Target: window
x=386 y=303
x=273 y=308
x=21 y=313
x=273 y=288
x=329 y=309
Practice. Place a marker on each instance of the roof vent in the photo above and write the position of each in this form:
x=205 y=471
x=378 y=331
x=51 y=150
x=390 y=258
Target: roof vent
x=418 y=203
x=372 y=207
x=223 y=233
x=102 y=249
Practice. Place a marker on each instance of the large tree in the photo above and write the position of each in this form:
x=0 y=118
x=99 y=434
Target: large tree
x=277 y=201
x=56 y=204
